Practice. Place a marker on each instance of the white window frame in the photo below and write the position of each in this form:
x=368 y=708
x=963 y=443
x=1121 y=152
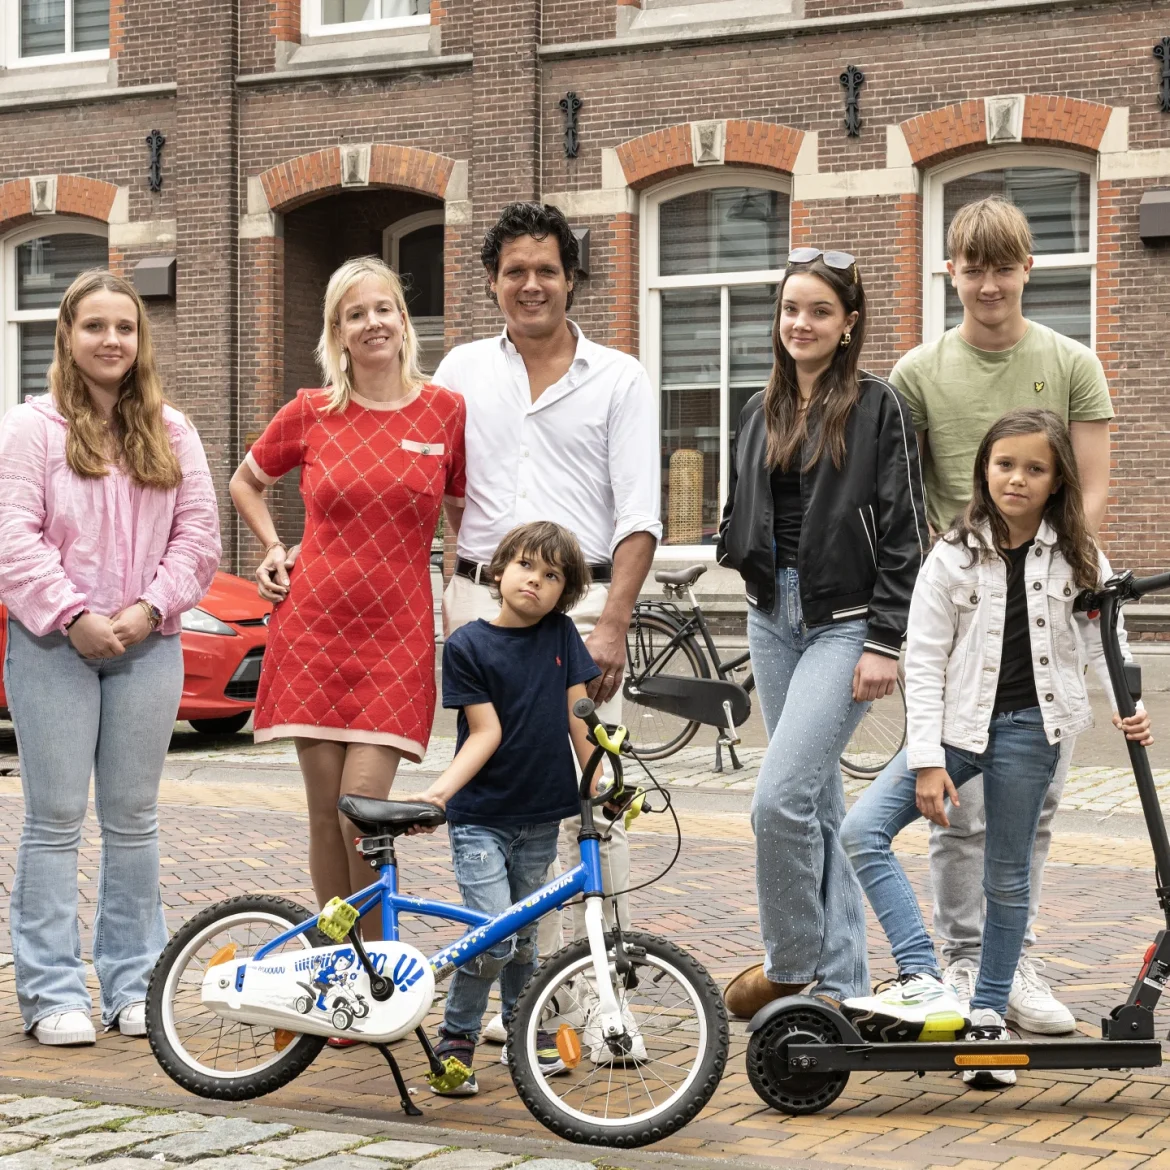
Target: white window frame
x=934 y=268
x=312 y=25
x=10 y=316
x=393 y=236
x=650 y=309
x=10 y=42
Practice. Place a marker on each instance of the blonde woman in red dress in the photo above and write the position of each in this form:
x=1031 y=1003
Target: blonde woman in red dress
x=349 y=672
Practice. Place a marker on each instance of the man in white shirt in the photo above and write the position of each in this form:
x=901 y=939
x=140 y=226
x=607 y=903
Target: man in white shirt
x=561 y=429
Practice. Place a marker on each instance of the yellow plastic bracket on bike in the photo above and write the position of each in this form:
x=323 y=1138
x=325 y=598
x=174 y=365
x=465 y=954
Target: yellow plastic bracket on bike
x=634 y=808
x=336 y=919
x=611 y=743
x=454 y=1073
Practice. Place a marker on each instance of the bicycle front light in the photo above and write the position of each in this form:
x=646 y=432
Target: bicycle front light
x=199 y=621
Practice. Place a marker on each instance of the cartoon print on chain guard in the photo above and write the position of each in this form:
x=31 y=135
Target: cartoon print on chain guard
x=325 y=991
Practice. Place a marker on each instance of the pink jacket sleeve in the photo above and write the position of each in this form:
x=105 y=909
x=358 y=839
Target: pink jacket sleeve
x=33 y=583
x=193 y=550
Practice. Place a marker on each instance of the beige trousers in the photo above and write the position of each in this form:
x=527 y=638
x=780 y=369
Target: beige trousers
x=463 y=602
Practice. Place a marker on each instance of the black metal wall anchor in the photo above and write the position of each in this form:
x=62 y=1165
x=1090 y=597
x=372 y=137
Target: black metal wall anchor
x=156 y=140
x=570 y=104
x=1162 y=52
x=851 y=81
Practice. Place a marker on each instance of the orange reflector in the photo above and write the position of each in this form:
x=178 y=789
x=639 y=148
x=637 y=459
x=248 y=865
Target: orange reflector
x=282 y=1038
x=994 y=1060
x=569 y=1045
x=223 y=955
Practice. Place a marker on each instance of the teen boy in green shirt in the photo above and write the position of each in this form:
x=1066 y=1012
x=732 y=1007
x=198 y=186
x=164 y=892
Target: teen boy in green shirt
x=956 y=387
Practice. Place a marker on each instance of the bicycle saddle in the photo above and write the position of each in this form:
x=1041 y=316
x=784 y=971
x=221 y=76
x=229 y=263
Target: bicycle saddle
x=680 y=576
x=390 y=817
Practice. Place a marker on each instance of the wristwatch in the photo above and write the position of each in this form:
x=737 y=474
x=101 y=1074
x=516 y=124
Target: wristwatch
x=153 y=614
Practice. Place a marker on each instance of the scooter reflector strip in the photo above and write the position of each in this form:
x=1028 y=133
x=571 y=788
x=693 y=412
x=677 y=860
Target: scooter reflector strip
x=994 y=1060
x=337 y=919
x=569 y=1045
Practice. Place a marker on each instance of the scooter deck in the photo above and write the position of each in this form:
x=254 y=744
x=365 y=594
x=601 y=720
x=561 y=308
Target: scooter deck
x=983 y=1054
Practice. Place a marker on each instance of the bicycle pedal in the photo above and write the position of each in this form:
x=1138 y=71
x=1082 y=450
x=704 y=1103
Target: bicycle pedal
x=336 y=919
x=454 y=1074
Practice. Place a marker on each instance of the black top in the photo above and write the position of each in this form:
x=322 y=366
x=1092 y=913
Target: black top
x=787 y=515
x=1017 y=683
x=525 y=674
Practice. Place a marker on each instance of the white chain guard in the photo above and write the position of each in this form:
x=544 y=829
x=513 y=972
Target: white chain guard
x=325 y=991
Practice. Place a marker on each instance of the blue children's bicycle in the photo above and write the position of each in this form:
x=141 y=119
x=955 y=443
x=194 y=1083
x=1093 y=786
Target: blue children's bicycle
x=246 y=992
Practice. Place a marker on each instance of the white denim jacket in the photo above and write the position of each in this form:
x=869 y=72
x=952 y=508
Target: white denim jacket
x=955 y=642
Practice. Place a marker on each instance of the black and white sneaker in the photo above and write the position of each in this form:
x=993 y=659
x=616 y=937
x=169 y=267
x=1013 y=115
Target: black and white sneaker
x=548 y=1059
x=911 y=1007
x=988 y=1024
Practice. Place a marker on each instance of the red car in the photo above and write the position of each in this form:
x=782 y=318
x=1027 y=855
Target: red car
x=223 y=642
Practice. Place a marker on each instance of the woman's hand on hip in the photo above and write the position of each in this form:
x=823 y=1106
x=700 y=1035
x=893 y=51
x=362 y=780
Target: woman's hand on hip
x=92 y=636
x=131 y=625
x=272 y=574
x=933 y=789
x=874 y=677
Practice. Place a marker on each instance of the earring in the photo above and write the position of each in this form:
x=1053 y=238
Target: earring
x=846 y=339
x=344 y=363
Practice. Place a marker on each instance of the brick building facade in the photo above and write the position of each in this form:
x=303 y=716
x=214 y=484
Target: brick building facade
x=711 y=135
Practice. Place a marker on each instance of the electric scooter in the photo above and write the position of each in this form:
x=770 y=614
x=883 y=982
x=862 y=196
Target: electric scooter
x=802 y=1051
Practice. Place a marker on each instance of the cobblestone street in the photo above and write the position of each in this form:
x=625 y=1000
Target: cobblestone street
x=233 y=822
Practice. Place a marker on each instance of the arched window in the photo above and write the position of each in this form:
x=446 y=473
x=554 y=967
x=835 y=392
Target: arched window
x=40 y=262
x=714 y=250
x=1057 y=193
x=413 y=247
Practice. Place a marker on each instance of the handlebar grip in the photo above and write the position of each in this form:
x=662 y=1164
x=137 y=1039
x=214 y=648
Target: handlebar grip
x=1141 y=585
x=586 y=710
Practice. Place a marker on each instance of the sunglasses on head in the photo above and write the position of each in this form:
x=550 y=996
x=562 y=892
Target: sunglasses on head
x=841 y=261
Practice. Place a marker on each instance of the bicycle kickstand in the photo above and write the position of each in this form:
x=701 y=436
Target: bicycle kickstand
x=728 y=737
x=408 y=1106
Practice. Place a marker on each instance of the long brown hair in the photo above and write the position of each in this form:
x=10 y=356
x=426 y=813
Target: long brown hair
x=144 y=446
x=1065 y=508
x=836 y=390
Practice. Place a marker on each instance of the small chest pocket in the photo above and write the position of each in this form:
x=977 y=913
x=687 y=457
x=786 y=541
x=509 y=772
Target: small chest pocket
x=965 y=599
x=423 y=466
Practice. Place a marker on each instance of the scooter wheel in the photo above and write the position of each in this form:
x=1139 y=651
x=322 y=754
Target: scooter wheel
x=779 y=1086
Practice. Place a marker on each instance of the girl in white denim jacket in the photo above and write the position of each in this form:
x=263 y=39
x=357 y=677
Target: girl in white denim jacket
x=995 y=680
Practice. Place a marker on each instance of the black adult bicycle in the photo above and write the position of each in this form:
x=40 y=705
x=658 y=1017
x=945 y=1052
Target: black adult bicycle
x=676 y=681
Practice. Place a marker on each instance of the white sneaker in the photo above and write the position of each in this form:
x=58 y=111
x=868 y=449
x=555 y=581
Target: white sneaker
x=911 y=1007
x=495 y=1032
x=73 y=1027
x=961 y=977
x=1032 y=1005
x=988 y=1024
x=132 y=1019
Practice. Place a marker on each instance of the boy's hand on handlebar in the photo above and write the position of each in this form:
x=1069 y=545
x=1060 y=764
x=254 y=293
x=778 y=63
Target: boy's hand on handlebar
x=1136 y=727
x=934 y=788
x=874 y=677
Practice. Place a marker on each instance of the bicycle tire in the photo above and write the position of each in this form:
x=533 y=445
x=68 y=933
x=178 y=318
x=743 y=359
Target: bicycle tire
x=878 y=738
x=709 y=1036
x=652 y=735
x=184 y=1067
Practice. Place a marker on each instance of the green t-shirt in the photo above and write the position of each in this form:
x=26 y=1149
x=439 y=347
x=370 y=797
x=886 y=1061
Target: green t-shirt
x=955 y=392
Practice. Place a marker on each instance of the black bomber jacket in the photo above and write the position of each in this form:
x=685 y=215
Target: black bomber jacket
x=863 y=535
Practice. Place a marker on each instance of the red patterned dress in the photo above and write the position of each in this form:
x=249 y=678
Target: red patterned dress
x=351 y=649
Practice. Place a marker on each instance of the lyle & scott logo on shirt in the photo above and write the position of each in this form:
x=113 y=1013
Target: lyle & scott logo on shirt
x=1038 y=386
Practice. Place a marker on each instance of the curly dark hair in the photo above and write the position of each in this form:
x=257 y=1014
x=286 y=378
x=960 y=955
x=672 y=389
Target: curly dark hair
x=538 y=220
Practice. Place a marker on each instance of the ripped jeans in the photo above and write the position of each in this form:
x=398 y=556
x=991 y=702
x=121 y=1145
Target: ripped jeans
x=496 y=867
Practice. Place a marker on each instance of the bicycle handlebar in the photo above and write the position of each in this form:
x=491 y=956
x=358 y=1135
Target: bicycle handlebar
x=1121 y=588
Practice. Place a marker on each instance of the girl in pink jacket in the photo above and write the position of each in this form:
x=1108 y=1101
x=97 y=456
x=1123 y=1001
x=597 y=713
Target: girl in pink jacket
x=108 y=533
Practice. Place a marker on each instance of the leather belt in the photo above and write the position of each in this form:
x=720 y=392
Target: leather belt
x=477 y=571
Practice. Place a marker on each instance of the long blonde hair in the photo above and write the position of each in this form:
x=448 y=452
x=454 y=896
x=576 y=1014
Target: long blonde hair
x=139 y=428
x=329 y=352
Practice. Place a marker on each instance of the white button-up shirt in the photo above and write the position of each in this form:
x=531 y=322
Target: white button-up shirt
x=584 y=454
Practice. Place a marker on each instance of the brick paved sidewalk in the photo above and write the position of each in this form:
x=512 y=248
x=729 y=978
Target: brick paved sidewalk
x=1099 y=916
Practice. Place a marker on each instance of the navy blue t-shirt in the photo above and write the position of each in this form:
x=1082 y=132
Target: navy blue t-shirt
x=525 y=674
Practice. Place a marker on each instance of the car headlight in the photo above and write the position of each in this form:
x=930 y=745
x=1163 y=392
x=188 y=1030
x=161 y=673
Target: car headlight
x=199 y=621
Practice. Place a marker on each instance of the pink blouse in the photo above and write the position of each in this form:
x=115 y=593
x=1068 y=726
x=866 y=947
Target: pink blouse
x=68 y=542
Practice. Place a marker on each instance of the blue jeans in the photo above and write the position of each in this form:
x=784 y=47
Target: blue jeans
x=495 y=868
x=73 y=716
x=1017 y=767
x=811 y=914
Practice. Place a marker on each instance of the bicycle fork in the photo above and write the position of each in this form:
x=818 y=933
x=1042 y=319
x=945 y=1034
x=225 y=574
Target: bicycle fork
x=609 y=1012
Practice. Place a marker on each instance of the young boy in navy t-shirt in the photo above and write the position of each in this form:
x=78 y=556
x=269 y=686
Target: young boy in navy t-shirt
x=515 y=680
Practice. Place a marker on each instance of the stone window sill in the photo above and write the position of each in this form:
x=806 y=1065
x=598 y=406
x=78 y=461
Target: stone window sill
x=365 y=48
x=656 y=17
x=30 y=80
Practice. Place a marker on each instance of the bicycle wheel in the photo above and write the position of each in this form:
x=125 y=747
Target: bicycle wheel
x=657 y=734
x=879 y=737
x=642 y=1086
x=198 y=1048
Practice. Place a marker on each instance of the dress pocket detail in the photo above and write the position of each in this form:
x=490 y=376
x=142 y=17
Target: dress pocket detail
x=423 y=448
